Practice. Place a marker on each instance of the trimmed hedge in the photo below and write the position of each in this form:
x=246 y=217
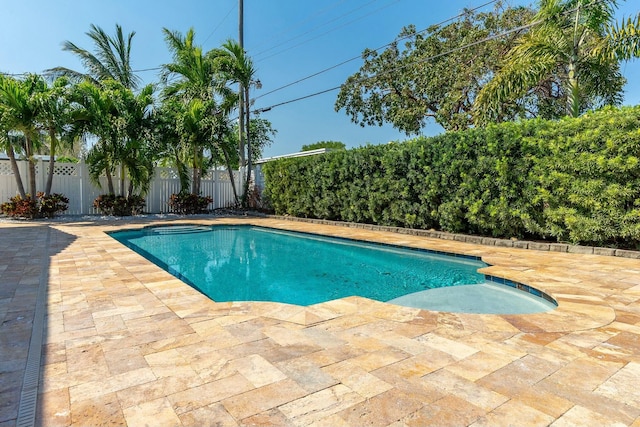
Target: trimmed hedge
x=574 y=180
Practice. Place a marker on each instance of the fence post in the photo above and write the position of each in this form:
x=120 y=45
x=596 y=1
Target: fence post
x=240 y=186
x=216 y=187
x=41 y=175
x=81 y=186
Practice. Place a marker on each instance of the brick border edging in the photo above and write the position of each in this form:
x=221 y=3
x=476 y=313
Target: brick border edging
x=479 y=240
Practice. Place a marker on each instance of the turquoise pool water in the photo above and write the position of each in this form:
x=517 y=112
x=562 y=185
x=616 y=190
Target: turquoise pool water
x=247 y=263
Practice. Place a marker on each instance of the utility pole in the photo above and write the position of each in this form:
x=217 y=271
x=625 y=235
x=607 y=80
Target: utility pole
x=241 y=23
x=241 y=112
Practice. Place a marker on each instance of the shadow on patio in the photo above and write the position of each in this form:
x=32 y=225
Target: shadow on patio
x=25 y=255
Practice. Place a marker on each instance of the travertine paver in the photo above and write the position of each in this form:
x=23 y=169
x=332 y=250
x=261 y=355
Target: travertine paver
x=128 y=344
x=21 y=265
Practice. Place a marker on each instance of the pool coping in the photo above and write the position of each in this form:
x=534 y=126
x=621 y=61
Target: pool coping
x=479 y=240
x=572 y=314
x=488 y=277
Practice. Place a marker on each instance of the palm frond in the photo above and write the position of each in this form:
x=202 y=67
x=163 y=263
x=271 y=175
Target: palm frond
x=623 y=40
x=513 y=81
x=110 y=61
x=75 y=76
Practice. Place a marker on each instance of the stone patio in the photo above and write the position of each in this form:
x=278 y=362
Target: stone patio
x=126 y=343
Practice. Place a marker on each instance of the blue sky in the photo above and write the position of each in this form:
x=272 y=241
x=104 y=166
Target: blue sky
x=288 y=40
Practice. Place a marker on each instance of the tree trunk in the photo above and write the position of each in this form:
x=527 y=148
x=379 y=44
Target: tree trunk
x=193 y=178
x=52 y=162
x=109 y=180
x=241 y=127
x=183 y=174
x=245 y=193
x=195 y=188
x=15 y=170
x=32 y=166
x=573 y=97
x=227 y=160
x=122 y=176
x=573 y=101
x=195 y=184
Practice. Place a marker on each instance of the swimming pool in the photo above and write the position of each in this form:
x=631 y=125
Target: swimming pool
x=248 y=263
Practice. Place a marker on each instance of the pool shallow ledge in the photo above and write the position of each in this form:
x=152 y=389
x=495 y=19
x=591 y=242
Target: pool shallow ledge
x=481 y=298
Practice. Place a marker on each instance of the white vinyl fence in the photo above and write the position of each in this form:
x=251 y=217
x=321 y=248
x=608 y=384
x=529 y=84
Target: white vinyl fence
x=72 y=180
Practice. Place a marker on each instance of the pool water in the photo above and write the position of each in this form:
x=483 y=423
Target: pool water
x=247 y=263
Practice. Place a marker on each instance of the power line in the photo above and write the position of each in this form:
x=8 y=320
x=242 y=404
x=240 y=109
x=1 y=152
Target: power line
x=308 y=77
x=329 y=31
x=466 y=11
x=262 y=110
x=326 y=69
x=448 y=52
x=316 y=27
x=142 y=70
x=288 y=29
x=221 y=22
x=484 y=40
x=146 y=69
x=205 y=40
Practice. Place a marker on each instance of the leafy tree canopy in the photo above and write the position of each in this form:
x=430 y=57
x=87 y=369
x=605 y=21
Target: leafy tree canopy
x=333 y=145
x=429 y=75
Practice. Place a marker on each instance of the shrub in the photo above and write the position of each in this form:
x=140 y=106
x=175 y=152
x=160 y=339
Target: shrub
x=575 y=179
x=188 y=203
x=41 y=207
x=52 y=205
x=17 y=207
x=110 y=204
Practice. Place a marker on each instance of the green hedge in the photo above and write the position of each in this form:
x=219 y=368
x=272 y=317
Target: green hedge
x=573 y=180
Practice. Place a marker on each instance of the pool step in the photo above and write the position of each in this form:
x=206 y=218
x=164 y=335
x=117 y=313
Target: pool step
x=181 y=229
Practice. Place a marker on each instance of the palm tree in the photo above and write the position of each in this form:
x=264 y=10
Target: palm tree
x=568 y=48
x=195 y=71
x=205 y=100
x=194 y=130
x=238 y=68
x=54 y=118
x=111 y=60
x=137 y=159
x=109 y=109
x=7 y=142
x=167 y=139
x=121 y=121
x=99 y=116
x=194 y=89
x=20 y=111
